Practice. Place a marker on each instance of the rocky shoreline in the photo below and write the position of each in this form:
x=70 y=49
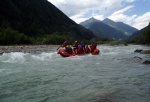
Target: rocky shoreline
x=141 y=51
x=28 y=48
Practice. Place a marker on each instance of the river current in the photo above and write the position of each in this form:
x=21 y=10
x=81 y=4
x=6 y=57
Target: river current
x=115 y=75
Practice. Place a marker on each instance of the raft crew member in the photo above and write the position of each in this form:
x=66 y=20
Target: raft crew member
x=83 y=46
x=68 y=49
x=65 y=44
x=80 y=50
x=87 y=49
x=93 y=46
x=75 y=45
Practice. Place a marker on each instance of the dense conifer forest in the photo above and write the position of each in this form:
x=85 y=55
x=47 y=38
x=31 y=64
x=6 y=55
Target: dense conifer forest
x=37 y=22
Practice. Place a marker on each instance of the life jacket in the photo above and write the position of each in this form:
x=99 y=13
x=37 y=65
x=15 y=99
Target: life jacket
x=87 y=49
x=68 y=49
x=94 y=43
x=76 y=44
x=92 y=47
x=80 y=50
x=82 y=44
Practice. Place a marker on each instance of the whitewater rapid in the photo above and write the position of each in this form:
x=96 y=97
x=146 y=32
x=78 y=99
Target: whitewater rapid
x=115 y=75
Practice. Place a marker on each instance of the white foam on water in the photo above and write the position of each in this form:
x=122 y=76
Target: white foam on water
x=108 y=51
x=19 y=57
x=77 y=77
x=14 y=57
x=44 y=56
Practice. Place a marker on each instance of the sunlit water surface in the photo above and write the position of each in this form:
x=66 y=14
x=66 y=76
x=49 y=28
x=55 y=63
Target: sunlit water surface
x=112 y=76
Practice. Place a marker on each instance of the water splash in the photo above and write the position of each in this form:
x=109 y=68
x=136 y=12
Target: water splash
x=19 y=57
x=107 y=77
x=44 y=56
x=14 y=57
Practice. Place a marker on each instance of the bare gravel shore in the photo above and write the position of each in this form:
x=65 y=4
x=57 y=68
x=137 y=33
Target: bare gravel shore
x=28 y=49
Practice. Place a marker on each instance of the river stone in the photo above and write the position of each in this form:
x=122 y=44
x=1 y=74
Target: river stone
x=1 y=53
x=146 y=62
x=145 y=52
x=138 y=50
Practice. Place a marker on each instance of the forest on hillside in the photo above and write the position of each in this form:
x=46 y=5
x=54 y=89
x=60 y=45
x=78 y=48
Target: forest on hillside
x=143 y=38
x=40 y=22
x=37 y=22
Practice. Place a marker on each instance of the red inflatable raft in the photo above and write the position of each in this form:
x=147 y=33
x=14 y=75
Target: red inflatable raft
x=63 y=53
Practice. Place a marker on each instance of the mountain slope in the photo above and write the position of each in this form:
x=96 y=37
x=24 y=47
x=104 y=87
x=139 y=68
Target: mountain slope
x=38 y=17
x=126 y=29
x=137 y=33
x=142 y=36
x=103 y=30
x=87 y=23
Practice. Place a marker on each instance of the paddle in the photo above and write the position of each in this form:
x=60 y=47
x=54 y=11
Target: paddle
x=58 y=47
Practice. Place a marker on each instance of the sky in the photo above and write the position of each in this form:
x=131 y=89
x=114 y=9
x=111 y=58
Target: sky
x=135 y=13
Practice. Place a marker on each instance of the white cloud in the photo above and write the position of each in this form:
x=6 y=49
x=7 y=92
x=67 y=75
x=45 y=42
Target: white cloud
x=82 y=10
x=99 y=17
x=73 y=7
x=110 y=6
x=129 y=1
x=138 y=22
x=123 y=10
x=142 y=21
x=120 y=16
x=79 y=19
x=78 y=10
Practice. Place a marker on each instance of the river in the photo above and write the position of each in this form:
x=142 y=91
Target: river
x=115 y=75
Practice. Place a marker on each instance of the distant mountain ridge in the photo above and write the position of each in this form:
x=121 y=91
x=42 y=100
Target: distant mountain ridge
x=126 y=29
x=108 y=29
x=88 y=22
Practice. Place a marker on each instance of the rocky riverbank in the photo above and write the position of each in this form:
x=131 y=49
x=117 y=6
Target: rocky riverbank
x=28 y=49
x=142 y=52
